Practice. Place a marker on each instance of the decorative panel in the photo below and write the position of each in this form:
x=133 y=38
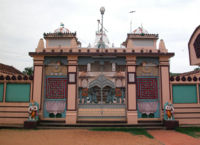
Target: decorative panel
x=59 y=42
x=147 y=66
x=151 y=60
x=55 y=60
x=17 y=92
x=56 y=70
x=148 y=43
x=1 y=92
x=184 y=94
x=116 y=60
x=56 y=88
x=147 y=88
x=147 y=71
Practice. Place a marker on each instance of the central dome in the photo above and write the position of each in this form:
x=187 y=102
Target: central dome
x=62 y=29
x=140 y=30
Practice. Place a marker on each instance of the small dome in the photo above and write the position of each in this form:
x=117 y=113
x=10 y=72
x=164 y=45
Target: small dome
x=140 y=30
x=62 y=29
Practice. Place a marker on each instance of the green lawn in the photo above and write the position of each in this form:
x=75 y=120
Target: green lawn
x=135 y=131
x=192 y=131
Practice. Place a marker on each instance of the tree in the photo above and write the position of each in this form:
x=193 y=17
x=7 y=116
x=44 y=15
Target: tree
x=174 y=74
x=196 y=69
x=28 y=71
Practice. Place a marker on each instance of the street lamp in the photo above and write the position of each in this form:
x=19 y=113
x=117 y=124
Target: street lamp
x=102 y=10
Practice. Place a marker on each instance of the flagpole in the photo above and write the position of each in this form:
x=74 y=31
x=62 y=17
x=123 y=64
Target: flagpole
x=131 y=21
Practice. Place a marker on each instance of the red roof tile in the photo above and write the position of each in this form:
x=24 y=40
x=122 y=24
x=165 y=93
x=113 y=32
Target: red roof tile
x=10 y=70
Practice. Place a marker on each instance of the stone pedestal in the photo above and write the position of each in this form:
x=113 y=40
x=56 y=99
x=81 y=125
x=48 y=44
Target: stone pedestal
x=132 y=117
x=71 y=117
x=171 y=124
x=30 y=124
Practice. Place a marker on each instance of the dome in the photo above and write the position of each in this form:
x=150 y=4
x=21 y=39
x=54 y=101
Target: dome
x=62 y=29
x=140 y=30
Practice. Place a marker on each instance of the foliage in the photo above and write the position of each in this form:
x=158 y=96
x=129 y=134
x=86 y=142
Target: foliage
x=135 y=131
x=192 y=131
x=174 y=74
x=28 y=71
x=196 y=69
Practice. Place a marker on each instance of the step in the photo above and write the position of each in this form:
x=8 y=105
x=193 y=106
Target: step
x=84 y=127
x=98 y=125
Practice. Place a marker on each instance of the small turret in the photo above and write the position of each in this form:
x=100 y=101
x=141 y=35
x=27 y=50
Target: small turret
x=162 y=47
x=40 y=45
x=141 y=39
x=61 y=38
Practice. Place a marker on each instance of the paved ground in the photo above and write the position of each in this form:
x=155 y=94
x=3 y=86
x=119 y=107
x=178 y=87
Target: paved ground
x=85 y=137
x=71 y=137
x=170 y=137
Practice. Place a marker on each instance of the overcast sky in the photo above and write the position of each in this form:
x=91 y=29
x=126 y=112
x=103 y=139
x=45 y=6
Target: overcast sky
x=23 y=23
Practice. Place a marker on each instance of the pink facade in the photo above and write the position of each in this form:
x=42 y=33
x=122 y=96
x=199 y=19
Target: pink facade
x=95 y=84
x=100 y=87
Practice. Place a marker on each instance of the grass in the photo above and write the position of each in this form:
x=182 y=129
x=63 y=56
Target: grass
x=135 y=131
x=191 y=131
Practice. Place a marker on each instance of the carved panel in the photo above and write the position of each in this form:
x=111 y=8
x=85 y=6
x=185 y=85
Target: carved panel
x=147 y=71
x=147 y=88
x=56 y=70
x=56 y=88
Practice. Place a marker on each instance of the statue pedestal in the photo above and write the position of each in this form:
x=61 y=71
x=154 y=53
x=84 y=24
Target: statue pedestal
x=30 y=124
x=171 y=124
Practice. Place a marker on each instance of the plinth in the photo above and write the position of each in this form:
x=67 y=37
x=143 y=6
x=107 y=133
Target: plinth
x=171 y=124
x=30 y=124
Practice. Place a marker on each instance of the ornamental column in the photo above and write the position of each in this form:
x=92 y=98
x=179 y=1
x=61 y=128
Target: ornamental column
x=132 y=116
x=71 y=113
x=38 y=79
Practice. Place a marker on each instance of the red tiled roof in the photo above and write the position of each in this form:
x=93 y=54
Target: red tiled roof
x=188 y=73
x=10 y=70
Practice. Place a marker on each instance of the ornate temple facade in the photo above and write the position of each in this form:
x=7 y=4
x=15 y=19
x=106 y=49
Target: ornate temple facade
x=100 y=82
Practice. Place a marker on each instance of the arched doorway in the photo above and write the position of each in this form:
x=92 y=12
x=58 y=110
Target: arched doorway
x=101 y=101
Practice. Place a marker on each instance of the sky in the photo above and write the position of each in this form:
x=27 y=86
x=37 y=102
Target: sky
x=23 y=23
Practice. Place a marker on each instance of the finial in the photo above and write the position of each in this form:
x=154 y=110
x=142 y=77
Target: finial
x=62 y=24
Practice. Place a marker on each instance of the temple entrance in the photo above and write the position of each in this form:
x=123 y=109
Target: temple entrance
x=101 y=101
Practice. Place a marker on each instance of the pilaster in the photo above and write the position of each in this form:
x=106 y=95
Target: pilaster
x=164 y=80
x=71 y=113
x=38 y=79
x=131 y=90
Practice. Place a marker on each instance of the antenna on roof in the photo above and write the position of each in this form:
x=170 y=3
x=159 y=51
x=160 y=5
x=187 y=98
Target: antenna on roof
x=131 y=21
x=98 y=21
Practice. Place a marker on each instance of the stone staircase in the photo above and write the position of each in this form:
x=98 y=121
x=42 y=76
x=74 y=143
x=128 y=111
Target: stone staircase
x=52 y=124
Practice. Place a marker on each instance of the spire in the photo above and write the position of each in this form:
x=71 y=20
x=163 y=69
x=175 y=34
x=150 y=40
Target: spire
x=40 y=44
x=162 y=47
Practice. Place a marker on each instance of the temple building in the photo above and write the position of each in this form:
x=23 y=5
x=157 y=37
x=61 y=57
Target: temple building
x=129 y=84
x=100 y=82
